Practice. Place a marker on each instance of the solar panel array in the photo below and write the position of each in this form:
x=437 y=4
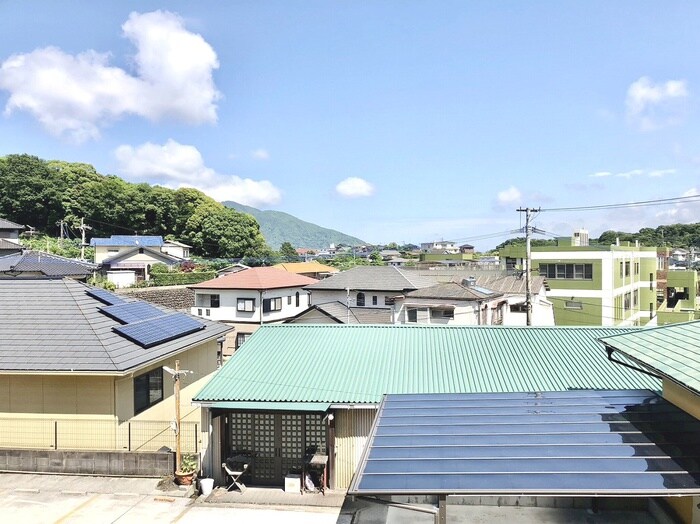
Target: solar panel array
x=150 y=332
x=128 y=312
x=105 y=296
x=559 y=443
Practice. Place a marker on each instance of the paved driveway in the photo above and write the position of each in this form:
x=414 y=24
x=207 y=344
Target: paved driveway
x=46 y=499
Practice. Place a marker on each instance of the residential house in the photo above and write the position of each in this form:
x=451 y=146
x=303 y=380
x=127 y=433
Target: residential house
x=452 y=303
x=38 y=264
x=446 y=254
x=441 y=246
x=9 y=237
x=293 y=387
x=367 y=286
x=512 y=286
x=340 y=313
x=670 y=353
x=593 y=284
x=127 y=259
x=681 y=302
x=10 y=231
x=176 y=249
x=250 y=298
x=311 y=269
x=81 y=371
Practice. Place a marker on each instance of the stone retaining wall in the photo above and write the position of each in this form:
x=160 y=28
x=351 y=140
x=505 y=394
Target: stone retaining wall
x=173 y=297
x=120 y=463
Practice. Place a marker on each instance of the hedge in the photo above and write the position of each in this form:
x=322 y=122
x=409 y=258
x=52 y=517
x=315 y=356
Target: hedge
x=181 y=279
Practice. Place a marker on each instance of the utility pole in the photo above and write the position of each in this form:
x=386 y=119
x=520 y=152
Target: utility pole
x=83 y=228
x=176 y=387
x=60 y=233
x=528 y=262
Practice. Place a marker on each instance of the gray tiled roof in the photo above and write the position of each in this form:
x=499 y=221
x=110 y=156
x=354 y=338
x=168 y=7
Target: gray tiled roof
x=6 y=224
x=8 y=245
x=454 y=290
x=155 y=253
x=54 y=325
x=373 y=278
x=349 y=315
x=44 y=263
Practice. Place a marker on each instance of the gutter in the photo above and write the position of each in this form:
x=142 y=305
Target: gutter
x=610 y=350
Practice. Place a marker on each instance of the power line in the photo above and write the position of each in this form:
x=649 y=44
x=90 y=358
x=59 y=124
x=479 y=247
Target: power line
x=642 y=203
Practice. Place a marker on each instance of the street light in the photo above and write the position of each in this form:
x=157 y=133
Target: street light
x=176 y=386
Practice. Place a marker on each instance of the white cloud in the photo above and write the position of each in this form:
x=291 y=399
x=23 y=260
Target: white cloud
x=508 y=197
x=260 y=154
x=630 y=174
x=653 y=173
x=651 y=106
x=661 y=173
x=683 y=212
x=354 y=187
x=76 y=95
x=178 y=165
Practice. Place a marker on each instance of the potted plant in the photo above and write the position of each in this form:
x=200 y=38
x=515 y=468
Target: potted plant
x=185 y=473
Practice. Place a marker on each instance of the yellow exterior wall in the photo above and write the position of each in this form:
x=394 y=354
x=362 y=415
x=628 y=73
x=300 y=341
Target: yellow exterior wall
x=97 y=412
x=352 y=428
x=690 y=403
x=681 y=397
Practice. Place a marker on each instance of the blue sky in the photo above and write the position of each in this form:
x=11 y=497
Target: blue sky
x=404 y=121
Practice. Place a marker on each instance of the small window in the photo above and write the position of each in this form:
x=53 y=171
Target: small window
x=148 y=390
x=272 y=304
x=207 y=312
x=214 y=300
x=360 y=299
x=289 y=300
x=240 y=338
x=389 y=301
x=412 y=315
x=199 y=312
x=374 y=300
x=572 y=304
x=297 y=297
x=245 y=304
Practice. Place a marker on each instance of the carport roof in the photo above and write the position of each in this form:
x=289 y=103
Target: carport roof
x=571 y=443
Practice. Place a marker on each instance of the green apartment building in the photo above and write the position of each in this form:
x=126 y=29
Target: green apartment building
x=592 y=285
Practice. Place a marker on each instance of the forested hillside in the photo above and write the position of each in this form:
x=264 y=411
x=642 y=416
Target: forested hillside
x=672 y=235
x=278 y=227
x=41 y=193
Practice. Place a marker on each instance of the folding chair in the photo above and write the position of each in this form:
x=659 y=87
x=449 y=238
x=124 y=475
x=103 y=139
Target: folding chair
x=234 y=470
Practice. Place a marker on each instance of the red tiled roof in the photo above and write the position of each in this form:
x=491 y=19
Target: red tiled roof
x=257 y=278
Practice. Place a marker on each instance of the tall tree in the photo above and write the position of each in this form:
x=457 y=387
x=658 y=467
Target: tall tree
x=288 y=253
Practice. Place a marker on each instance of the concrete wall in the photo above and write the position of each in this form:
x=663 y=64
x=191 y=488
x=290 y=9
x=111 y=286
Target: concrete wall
x=88 y=463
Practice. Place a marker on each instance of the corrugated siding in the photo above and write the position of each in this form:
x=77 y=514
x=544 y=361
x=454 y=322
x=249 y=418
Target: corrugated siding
x=352 y=427
x=360 y=363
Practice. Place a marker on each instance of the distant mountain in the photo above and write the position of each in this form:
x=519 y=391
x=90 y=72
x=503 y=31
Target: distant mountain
x=278 y=227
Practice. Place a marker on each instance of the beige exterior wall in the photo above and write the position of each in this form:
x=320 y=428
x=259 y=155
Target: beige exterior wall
x=97 y=412
x=689 y=402
x=352 y=428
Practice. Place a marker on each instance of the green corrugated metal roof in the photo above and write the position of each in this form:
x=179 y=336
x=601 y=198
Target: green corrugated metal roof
x=672 y=351
x=360 y=363
x=272 y=406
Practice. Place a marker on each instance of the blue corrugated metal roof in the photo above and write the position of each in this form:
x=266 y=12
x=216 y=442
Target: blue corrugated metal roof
x=360 y=363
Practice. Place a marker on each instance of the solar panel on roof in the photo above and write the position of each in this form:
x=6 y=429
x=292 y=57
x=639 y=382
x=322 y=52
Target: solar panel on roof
x=151 y=332
x=622 y=443
x=129 y=312
x=105 y=296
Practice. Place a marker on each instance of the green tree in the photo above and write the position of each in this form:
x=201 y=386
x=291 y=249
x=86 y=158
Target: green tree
x=375 y=259
x=288 y=253
x=217 y=231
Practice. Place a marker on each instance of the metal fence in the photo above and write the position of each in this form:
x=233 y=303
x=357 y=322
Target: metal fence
x=103 y=435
